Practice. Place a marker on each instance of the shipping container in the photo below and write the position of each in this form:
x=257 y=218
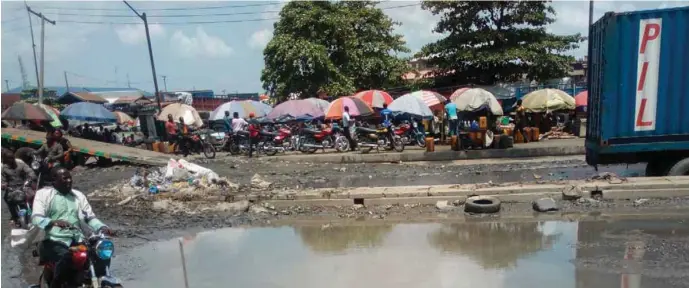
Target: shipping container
x=638 y=87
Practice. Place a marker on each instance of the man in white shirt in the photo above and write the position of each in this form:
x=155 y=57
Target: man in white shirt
x=346 y=121
x=238 y=124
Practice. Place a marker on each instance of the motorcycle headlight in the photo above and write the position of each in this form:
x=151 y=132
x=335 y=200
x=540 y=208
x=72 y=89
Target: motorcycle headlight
x=35 y=165
x=105 y=249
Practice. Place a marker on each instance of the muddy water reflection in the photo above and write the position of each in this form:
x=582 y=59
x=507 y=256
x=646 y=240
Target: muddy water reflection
x=546 y=254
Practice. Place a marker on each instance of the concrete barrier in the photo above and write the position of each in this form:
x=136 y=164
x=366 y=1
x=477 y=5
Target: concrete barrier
x=632 y=188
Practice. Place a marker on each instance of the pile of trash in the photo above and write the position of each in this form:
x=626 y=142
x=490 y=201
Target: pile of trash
x=176 y=176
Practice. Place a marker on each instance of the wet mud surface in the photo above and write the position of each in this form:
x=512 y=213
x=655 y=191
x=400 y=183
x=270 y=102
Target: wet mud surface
x=138 y=223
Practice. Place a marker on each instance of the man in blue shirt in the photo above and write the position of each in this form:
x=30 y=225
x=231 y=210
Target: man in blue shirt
x=228 y=122
x=386 y=115
x=451 y=111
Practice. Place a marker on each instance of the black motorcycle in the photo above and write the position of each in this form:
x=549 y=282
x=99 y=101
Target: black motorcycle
x=368 y=138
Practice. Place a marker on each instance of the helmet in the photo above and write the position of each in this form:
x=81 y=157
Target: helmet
x=252 y=115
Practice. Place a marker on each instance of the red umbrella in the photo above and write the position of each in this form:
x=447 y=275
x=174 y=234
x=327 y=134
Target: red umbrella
x=581 y=99
x=374 y=98
x=25 y=111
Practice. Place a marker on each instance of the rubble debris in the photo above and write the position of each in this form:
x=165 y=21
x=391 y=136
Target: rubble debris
x=257 y=182
x=545 y=205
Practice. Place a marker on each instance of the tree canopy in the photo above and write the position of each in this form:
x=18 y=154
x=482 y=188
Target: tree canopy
x=337 y=46
x=498 y=41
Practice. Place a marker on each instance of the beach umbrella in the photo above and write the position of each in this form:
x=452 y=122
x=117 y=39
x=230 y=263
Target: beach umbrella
x=581 y=99
x=357 y=107
x=124 y=118
x=189 y=114
x=475 y=99
x=322 y=104
x=54 y=114
x=295 y=108
x=544 y=100
x=25 y=111
x=432 y=99
x=410 y=105
x=243 y=108
x=374 y=98
x=88 y=112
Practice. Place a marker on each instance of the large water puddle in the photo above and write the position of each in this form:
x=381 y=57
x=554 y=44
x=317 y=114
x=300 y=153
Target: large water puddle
x=623 y=254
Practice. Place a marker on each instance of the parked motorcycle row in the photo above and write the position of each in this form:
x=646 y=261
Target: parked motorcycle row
x=308 y=139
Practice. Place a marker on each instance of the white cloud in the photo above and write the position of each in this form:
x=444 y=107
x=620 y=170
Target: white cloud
x=200 y=45
x=136 y=34
x=260 y=38
x=417 y=25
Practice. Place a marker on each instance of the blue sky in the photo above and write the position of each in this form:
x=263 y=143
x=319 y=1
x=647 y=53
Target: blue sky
x=219 y=56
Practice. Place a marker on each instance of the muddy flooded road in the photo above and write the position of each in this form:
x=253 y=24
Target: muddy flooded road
x=623 y=253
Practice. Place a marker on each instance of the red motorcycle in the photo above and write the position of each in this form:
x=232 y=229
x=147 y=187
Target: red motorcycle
x=312 y=140
x=280 y=141
x=410 y=134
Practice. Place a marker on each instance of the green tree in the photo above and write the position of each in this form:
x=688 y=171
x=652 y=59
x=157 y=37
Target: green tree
x=498 y=41
x=337 y=46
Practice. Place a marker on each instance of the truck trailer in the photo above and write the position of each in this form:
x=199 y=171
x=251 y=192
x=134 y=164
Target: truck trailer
x=638 y=78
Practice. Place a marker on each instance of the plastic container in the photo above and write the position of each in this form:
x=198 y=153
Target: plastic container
x=430 y=144
x=483 y=123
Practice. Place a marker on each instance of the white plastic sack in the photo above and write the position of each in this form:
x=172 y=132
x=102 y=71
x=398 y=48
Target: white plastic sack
x=199 y=171
x=23 y=238
x=172 y=164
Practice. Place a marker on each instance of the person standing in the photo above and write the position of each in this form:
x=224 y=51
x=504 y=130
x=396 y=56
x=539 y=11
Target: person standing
x=253 y=133
x=346 y=122
x=386 y=118
x=238 y=124
x=184 y=141
x=519 y=121
x=451 y=111
x=228 y=122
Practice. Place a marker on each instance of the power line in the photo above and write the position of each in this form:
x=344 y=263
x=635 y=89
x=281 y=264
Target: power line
x=163 y=9
x=163 y=16
x=171 y=23
x=200 y=22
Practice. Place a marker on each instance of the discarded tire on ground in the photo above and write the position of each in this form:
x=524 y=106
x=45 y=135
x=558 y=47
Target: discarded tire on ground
x=482 y=204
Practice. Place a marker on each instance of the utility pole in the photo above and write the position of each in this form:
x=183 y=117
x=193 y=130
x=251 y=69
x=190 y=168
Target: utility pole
x=66 y=82
x=150 y=52
x=7 y=85
x=164 y=82
x=40 y=83
x=33 y=43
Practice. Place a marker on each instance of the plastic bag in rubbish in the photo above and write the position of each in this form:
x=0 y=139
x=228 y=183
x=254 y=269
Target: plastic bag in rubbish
x=199 y=171
x=179 y=175
x=171 y=165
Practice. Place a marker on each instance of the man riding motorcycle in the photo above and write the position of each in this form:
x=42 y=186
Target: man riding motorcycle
x=14 y=174
x=54 y=210
x=51 y=150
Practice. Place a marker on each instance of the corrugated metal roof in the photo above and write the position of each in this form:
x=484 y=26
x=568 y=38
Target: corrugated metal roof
x=61 y=90
x=73 y=97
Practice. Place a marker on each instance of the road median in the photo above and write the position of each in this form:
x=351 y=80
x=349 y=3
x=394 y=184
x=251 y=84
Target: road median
x=631 y=188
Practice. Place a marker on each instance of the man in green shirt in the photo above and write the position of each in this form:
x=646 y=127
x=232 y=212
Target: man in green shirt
x=55 y=209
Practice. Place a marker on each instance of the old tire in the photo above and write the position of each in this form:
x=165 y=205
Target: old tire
x=25 y=154
x=680 y=168
x=482 y=204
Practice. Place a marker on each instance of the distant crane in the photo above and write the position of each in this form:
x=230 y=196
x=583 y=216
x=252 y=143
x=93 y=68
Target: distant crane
x=25 y=78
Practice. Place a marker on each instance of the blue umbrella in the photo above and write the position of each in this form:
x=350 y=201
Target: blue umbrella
x=89 y=112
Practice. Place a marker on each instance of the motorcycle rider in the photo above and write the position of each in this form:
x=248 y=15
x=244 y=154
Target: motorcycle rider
x=56 y=208
x=51 y=149
x=14 y=174
x=386 y=116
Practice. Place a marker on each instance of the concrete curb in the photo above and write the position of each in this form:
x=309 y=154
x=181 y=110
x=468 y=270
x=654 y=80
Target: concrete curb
x=632 y=188
x=447 y=155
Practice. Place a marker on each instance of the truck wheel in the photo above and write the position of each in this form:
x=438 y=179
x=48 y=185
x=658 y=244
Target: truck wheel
x=681 y=168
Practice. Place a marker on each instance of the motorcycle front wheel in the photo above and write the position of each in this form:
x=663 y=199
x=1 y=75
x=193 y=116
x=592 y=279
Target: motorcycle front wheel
x=208 y=150
x=398 y=144
x=341 y=144
x=420 y=141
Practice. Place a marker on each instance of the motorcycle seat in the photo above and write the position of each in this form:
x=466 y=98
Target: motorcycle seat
x=266 y=133
x=242 y=133
x=312 y=131
x=367 y=130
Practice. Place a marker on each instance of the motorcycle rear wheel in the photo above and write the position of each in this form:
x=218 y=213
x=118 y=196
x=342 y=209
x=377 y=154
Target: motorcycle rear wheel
x=269 y=148
x=398 y=144
x=420 y=141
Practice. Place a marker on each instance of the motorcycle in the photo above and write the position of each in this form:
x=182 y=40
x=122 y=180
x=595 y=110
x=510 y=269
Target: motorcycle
x=410 y=134
x=368 y=138
x=273 y=142
x=85 y=254
x=23 y=205
x=312 y=140
x=198 y=142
